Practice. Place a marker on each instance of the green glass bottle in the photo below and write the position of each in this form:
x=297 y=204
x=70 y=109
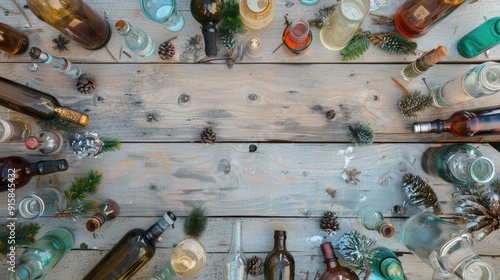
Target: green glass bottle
x=372 y=219
x=131 y=253
x=385 y=264
x=479 y=40
x=38 y=259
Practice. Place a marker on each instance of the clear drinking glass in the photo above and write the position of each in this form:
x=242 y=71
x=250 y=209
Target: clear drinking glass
x=164 y=12
x=44 y=201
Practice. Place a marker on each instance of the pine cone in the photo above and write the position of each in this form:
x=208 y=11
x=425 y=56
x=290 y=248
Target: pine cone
x=419 y=193
x=86 y=84
x=208 y=136
x=255 y=266
x=329 y=222
x=166 y=50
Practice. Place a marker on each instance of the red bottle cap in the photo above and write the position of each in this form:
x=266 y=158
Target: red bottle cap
x=328 y=252
x=31 y=142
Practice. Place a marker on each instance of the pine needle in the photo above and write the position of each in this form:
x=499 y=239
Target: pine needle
x=361 y=134
x=358 y=45
x=355 y=249
x=394 y=43
x=77 y=201
x=110 y=144
x=232 y=24
x=196 y=222
x=25 y=235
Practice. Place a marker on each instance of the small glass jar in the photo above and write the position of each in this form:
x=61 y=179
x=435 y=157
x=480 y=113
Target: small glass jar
x=45 y=201
x=297 y=36
x=256 y=14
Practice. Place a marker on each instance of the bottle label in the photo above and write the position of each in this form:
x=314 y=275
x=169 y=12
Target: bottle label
x=453 y=92
x=147 y=49
x=421 y=12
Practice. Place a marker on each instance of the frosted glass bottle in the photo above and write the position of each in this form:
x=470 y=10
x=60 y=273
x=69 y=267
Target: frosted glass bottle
x=136 y=40
x=235 y=263
x=372 y=219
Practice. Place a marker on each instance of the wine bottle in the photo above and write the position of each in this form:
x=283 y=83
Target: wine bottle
x=35 y=103
x=13 y=131
x=478 y=122
x=131 y=253
x=386 y=265
x=279 y=263
x=235 y=262
x=74 y=19
x=60 y=64
x=48 y=141
x=44 y=201
x=43 y=255
x=208 y=13
x=372 y=219
x=12 y=41
x=334 y=271
x=136 y=40
x=108 y=210
x=16 y=172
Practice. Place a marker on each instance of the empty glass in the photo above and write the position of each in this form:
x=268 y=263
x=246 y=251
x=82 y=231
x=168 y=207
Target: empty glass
x=44 y=201
x=164 y=12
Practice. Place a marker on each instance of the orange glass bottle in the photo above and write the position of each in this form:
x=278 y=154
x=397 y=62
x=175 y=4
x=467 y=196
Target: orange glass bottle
x=416 y=17
x=334 y=271
x=11 y=40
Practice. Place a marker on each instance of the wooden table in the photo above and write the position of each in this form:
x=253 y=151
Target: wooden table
x=278 y=104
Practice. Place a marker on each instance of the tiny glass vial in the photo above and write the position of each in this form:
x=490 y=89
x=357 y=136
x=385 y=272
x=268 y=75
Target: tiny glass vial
x=256 y=14
x=480 y=81
x=45 y=201
x=253 y=49
x=60 y=64
x=344 y=23
x=136 y=40
x=372 y=219
x=297 y=36
x=48 y=141
x=13 y=131
x=479 y=40
x=108 y=210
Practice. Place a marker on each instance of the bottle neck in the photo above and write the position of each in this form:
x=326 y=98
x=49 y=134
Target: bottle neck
x=47 y=167
x=155 y=231
x=166 y=273
x=299 y=30
x=95 y=222
x=436 y=126
x=123 y=28
x=236 y=238
x=280 y=242
x=384 y=228
x=391 y=269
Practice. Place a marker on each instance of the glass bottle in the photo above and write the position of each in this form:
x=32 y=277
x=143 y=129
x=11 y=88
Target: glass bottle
x=35 y=103
x=386 y=264
x=460 y=164
x=297 y=36
x=344 y=23
x=12 y=41
x=376 y=4
x=208 y=13
x=334 y=271
x=43 y=255
x=17 y=172
x=131 y=253
x=482 y=80
x=279 y=263
x=465 y=123
x=256 y=14
x=424 y=62
x=136 y=40
x=445 y=247
x=60 y=64
x=415 y=18
x=186 y=261
x=108 y=210
x=479 y=40
x=164 y=12
x=74 y=19
x=48 y=141
x=13 y=131
x=372 y=219
x=235 y=263
x=45 y=201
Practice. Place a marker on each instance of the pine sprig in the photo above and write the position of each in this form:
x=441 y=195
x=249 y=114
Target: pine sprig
x=56 y=124
x=355 y=249
x=232 y=25
x=25 y=235
x=361 y=134
x=394 y=43
x=196 y=222
x=356 y=47
x=77 y=201
x=110 y=144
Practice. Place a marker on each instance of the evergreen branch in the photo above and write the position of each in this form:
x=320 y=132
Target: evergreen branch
x=83 y=186
x=56 y=124
x=232 y=24
x=394 y=43
x=358 y=45
x=196 y=222
x=361 y=134
x=110 y=144
x=25 y=235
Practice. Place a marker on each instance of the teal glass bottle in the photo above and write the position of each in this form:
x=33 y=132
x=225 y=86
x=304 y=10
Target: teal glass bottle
x=39 y=258
x=385 y=264
x=372 y=219
x=136 y=40
x=60 y=64
x=479 y=40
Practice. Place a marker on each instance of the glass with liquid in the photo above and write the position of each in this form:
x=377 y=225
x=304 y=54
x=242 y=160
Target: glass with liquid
x=344 y=23
x=256 y=14
x=297 y=36
x=164 y=12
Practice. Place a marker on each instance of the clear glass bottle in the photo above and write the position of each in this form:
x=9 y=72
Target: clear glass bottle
x=43 y=255
x=136 y=40
x=235 y=263
x=12 y=41
x=208 y=13
x=45 y=201
x=60 y=64
x=13 y=131
x=344 y=23
x=75 y=19
x=482 y=80
x=108 y=211
x=460 y=164
x=415 y=18
x=386 y=264
x=131 y=253
x=297 y=36
x=445 y=247
x=256 y=14
x=479 y=40
x=372 y=219
x=48 y=141
x=279 y=263
x=334 y=271
x=186 y=261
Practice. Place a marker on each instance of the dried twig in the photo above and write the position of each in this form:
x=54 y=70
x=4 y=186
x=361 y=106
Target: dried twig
x=107 y=49
x=382 y=20
x=9 y=11
x=120 y=53
x=401 y=87
x=126 y=53
x=22 y=12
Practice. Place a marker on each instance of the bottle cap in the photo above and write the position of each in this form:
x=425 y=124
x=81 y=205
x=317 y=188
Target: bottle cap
x=35 y=52
x=31 y=142
x=94 y=223
x=386 y=230
x=328 y=253
x=421 y=127
x=167 y=220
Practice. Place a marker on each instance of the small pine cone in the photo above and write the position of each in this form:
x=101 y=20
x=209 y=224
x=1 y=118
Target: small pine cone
x=255 y=266
x=86 y=84
x=208 y=136
x=166 y=50
x=329 y=222
x=420 y=193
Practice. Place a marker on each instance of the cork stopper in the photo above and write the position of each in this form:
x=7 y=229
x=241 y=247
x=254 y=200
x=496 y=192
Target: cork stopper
x=435 y=55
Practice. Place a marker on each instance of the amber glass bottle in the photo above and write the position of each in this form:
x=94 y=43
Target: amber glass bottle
x=74 y=19
x=12 y=41
x=279 y=264
x=108 y=210
x=334 y=271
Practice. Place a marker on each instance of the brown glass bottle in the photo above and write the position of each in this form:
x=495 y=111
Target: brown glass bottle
x=12 y=41
x=37 y=104
x=334 y=271
x=108 y=210
x=279 y=264
x=479 y=122
x=208 y=13
x=131 y=253
x=74 y=19
x=16 y=172
x=415 y=18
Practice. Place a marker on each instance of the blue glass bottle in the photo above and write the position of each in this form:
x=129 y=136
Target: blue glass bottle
x=136 y=40
x=60 y=64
